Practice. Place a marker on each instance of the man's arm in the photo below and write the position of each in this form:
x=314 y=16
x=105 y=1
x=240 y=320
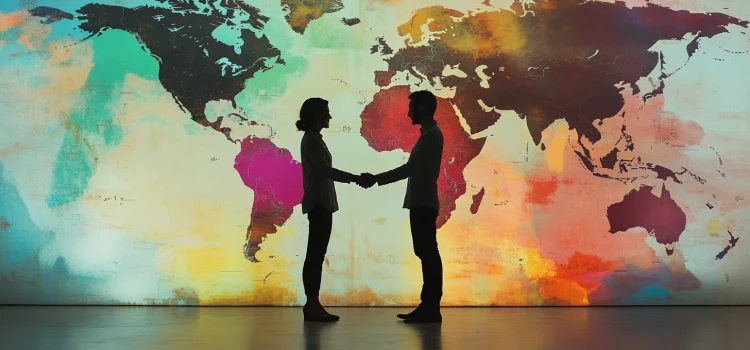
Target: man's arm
x=417 y=159
x=316 y=154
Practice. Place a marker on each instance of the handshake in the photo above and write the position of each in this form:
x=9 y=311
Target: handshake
x=366 y=180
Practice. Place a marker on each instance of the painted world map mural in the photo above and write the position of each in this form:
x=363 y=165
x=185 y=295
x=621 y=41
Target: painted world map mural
x=596 y=152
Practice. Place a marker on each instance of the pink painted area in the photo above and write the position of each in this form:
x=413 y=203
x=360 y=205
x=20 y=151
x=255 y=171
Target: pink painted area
x=386 y=127
x=276 y=180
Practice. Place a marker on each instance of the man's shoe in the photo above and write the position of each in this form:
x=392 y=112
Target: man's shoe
x=409 y=315
x=425 y=317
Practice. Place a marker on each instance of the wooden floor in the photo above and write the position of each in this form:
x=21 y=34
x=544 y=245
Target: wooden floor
x=667 y=328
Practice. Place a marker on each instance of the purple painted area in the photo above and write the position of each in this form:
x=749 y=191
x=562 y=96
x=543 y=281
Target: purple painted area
x=640 y=208
x=276 y=180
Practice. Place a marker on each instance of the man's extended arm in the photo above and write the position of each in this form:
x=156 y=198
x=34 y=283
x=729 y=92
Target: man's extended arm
x=417 y=159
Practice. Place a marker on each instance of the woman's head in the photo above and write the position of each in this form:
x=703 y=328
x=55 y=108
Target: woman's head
x=313 y=115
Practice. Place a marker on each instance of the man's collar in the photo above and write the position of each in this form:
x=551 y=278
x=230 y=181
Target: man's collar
x=426 y=124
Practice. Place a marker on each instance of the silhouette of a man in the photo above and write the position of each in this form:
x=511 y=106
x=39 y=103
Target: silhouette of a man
x=422 y=171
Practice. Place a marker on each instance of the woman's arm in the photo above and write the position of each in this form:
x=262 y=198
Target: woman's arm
x=316 y=154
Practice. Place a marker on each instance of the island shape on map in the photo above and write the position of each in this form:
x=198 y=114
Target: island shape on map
x=660 y=216
x=302 y=12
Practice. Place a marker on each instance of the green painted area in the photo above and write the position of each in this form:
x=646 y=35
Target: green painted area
x=92 y=127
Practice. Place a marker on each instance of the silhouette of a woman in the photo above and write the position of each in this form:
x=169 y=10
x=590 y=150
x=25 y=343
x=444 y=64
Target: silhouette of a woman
x=319 y=200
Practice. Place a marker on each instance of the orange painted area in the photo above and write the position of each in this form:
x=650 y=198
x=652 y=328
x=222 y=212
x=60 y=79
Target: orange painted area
x=557 y=4
x=574 y=281
x=540 y=189
x=580 y=264
x=11 y=20
x=563 y=292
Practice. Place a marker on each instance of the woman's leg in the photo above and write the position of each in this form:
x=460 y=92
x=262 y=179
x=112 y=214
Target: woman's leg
x=321 y=222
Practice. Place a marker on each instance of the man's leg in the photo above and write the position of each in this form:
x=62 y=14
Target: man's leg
x=424 y=237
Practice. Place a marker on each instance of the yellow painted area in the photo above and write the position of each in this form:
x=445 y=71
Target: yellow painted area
x=487 y=34
x=221 y=276
x=537 y=266
x=261 y=295
x=442 y=19
x=556 y=142
x=715 y=227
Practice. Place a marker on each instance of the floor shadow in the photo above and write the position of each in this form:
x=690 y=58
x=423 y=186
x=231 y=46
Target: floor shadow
x=313 y=332
x=429 y=334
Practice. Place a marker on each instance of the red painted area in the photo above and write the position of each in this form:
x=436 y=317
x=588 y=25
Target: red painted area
x=386 y=127
x=540 y=189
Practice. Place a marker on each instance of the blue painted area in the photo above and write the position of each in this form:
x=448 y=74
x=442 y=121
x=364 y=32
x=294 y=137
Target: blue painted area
x=9 y=6
x=24 y=64
x=229 y=35
x=66 y=29
x=23 y=280
x=650 y=294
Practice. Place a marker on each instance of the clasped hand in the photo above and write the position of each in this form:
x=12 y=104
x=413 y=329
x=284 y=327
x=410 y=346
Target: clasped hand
x=366 y=180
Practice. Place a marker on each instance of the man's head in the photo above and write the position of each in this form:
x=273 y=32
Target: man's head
x=422 y=105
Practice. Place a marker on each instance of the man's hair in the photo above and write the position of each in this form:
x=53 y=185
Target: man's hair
x=311 y=107
x=425 y=100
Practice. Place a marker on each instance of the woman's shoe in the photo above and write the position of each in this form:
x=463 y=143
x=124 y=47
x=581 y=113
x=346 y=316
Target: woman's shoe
x=318 y=314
